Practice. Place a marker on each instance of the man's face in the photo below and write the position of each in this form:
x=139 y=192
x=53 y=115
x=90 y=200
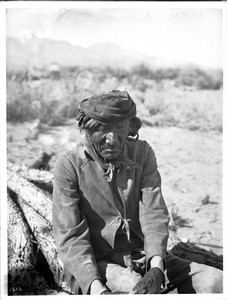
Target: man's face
x=108 y=140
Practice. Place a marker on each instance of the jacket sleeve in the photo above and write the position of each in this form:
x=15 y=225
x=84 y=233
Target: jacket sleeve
x=153 y=213
x=70 y=228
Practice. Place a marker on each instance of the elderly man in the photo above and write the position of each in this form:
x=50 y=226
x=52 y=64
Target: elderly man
x=110 y=220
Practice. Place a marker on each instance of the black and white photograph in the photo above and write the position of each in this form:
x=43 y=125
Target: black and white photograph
x=114 y=149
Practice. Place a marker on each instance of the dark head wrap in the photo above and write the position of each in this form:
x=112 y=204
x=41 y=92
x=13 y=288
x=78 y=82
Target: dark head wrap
x=107 y=108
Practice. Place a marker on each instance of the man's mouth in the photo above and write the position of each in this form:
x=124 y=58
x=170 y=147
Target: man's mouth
x=109 y=149
x=110 y=152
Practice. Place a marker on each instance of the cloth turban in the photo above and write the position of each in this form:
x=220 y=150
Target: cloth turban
x=107 y=108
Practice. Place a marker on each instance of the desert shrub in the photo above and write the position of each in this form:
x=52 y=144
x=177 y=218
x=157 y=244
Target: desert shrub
x=170 y=73
x=72 y=69
x=154 y=101
x=19 y=103
x=191 y=76
x=50 y=113
x=197 y=110
x=191 y=109
x=186 y=106
x=201 y=79
x=119 y=73
x=68 y=110
x=158 y=75
x=20 y=111
x=51 y=102
x=187 y=77
x=143 y=71
x=215 y=79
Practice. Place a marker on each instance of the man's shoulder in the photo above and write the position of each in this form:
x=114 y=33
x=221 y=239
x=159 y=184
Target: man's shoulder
x=139 y=145
x=76 y=155
x=138 y=150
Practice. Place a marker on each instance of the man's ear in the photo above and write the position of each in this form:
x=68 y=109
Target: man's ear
x=134 y=126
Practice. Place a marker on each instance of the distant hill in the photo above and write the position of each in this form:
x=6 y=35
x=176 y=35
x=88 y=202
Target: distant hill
x=43 y=52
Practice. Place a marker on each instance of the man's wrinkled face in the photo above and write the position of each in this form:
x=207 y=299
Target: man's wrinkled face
x=108 y=140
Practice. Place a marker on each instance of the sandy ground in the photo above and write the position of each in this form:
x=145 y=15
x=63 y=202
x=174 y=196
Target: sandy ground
x=190 y=163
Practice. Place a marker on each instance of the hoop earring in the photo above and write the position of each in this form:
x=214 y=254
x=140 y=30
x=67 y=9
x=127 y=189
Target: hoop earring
x=132 y=138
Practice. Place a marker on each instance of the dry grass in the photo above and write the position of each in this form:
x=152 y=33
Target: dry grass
x=159 y=102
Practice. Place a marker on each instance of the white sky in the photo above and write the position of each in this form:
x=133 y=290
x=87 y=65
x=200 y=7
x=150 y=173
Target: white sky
x=191 y=35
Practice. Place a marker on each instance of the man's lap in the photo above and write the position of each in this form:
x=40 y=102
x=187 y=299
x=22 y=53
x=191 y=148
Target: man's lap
x=181 y=276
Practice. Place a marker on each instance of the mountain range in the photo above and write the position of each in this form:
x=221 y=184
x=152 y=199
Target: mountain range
x=43 y=52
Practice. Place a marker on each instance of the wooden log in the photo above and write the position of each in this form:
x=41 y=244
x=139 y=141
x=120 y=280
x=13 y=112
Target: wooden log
x=21 y=248
x=42 y=179
x=32 y=283
x=35 y=197
x=42 y=231
x=33 y=175
x=194 y=253
x=23 y=279
x=47 y=291
x=22 y=255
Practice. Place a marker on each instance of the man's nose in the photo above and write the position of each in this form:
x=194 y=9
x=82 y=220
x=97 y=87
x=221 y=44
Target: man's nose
x=111 y=138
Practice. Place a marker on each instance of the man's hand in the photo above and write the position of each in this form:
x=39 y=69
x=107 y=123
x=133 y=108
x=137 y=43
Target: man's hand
x=98 y=288
x=107 y=292
x=150 y=283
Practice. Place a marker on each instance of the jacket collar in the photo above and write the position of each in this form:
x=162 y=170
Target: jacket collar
x=95 y=172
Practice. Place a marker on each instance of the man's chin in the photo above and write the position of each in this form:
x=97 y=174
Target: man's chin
x=110 y=156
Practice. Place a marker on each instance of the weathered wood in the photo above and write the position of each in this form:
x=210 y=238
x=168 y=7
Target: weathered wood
x=191 y=252
x=21 y=249
x=22 y=255
x=42 y=231
x=34 y=175
x=32 y=283
x=47 y=291
x=35 y=197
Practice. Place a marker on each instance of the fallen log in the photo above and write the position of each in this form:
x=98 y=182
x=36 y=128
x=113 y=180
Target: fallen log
x=194 y=253
x=47 y=291
x=32 y=283
x=33 y=175
x=22 y=255
x=42 y=231
x=21 y=248
x=42 y=179
x=34 y=196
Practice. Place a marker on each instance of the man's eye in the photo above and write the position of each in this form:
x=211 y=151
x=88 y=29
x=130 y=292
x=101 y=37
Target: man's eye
x=100 y=128
x=120 y=127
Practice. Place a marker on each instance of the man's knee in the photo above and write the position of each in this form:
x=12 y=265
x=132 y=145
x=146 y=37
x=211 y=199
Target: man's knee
x=124 y=280
x=208 y=279
x=118 y=278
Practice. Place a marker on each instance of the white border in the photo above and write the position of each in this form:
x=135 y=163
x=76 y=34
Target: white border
x=224 y=146
x=116 y=4
x=98 y=5
x=3 y=183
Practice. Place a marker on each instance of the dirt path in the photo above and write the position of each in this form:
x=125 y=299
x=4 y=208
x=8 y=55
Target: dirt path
x=190 y=164
x=191 y=167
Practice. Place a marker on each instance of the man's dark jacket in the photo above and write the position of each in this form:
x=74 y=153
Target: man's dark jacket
x=86 y=218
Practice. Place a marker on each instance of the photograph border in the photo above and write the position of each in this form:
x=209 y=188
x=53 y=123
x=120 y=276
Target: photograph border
x=3 y=148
